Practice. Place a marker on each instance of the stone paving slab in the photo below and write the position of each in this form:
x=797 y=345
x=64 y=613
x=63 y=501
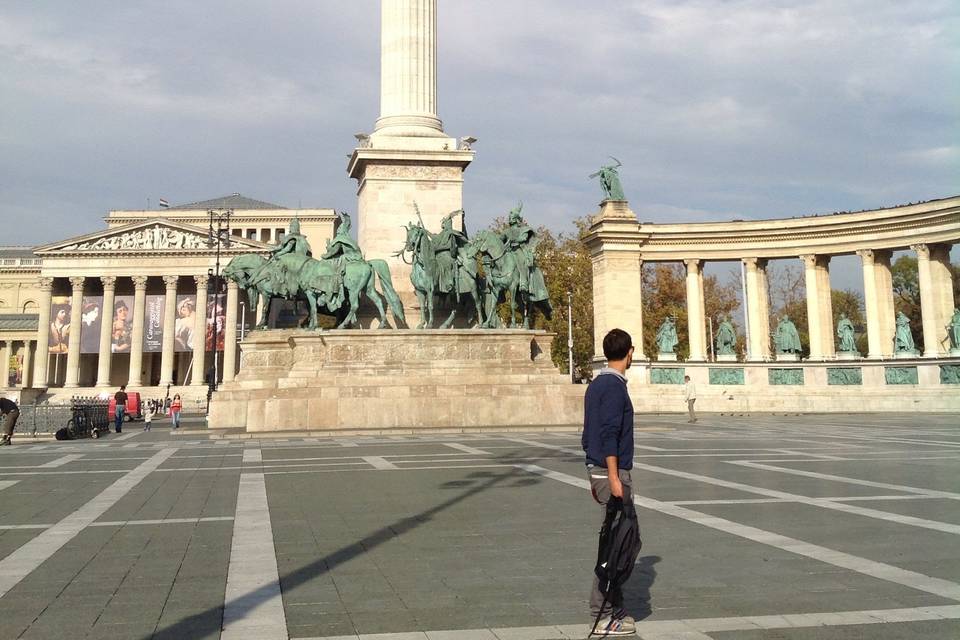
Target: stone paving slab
x=489 y=536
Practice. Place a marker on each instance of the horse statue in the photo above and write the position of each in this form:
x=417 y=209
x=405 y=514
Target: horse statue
x=322 y=284
x=432 y=277
x=505 y=284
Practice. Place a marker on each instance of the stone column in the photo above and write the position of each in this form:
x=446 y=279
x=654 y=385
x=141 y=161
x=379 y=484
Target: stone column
x=408 y=69
x=105 y=356
x=819 y=307
x=696 y=316
x=878 y=299
x=928 y=302
x=942 y=278
x=829 y=348
x=200 y=331
x=135 y=377
x=230 y=333
x=43 y=334
x=27 y=365
x=7 y=354
x=167 y=354
x=72 y=378
x=757 y=310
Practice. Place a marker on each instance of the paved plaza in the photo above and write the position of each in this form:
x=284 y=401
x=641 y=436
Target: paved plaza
x=796 y=528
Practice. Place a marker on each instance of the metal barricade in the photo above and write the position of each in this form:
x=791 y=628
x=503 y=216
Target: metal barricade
x=83 y=417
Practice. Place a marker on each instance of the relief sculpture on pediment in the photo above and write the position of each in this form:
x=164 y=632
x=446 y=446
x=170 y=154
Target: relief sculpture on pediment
x=148 y=239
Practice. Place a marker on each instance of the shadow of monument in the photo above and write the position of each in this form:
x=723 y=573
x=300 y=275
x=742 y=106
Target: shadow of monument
x=209 y=622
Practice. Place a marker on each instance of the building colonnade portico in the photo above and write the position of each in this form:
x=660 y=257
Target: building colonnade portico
x=620 y=245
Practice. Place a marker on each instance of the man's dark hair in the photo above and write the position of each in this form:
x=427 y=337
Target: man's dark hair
x=122 y=387
x=616 y=345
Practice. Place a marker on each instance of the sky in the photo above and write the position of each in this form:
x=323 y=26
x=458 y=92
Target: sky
x=718 y=109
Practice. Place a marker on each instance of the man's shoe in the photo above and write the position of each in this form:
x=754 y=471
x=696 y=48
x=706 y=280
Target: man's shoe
x=625 y=626
x=5 y=441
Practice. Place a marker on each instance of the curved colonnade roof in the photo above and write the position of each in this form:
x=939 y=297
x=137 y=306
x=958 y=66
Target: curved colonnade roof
x=933 y=222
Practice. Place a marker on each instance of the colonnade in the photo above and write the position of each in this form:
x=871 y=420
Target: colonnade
x=79 y=285
x=620 y=246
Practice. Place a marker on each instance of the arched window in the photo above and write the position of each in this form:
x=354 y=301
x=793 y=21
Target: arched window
x=30 y=307
x=3 y=305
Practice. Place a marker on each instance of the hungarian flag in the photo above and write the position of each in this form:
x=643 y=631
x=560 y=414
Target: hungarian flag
x=164 y=204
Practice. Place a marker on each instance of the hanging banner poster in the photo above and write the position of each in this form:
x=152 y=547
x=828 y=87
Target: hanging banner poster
x=153 y=325
x=186 y=322
x=216 y=317
x=90 y=322
x=59 y=324
x=121 y=336
x=15 y=372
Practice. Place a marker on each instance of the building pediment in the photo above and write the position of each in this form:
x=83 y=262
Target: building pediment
x=151 y=236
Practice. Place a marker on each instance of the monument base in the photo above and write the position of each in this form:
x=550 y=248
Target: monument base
x=906 y=355
x=666 y=357
x=788 y=357
x=727 y=357
x=848 y=355
x=293 y=380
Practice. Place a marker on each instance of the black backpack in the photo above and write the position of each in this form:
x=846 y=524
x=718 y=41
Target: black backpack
x=618 y=548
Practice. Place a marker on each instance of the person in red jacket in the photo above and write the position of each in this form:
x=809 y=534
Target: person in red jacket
x=175 y=407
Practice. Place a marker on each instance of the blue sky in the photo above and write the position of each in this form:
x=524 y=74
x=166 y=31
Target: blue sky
x=719 y=109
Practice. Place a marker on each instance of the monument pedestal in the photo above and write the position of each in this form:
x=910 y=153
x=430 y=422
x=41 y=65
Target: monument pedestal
x=788 y=357
x=848 y=355
x=906 y=355
x=727 y=357
x=666 y=357
x=378 y=380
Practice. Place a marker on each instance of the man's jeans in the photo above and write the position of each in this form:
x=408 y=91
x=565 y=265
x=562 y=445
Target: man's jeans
x=600 y=488
x=118 y=419
x=693 y=414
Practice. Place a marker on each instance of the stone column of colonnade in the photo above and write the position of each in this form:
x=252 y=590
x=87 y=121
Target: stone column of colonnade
x=230 y=332
x=696 y=313
x=72 y=378
x=618 y=297
x=7 y=354
x=878 y=300
x=167 y=353
x=105 y=354
x=135 y=378
x=819 y=306
x=41 y=373
x=758 y=309
x=200 y=331
x=27 y=365
x=936 y=297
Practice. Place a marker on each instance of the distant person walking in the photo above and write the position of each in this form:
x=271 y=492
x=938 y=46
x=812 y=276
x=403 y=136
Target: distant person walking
x=690 y=395
x=10 y=412
x=608 y=443
x=148 y=417
x=120 y=410
x=175 y=407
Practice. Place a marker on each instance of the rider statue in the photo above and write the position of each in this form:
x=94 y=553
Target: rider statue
x=342 y=248
x=282 y=272
x=446 y=248
x=522 y=241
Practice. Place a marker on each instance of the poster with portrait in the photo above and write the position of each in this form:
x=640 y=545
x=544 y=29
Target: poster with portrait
x=121 y=335
x=15 y=371
x=91 y=319
x=59 y=324
x=186 y=321
x=153 y=325
x=216 y=319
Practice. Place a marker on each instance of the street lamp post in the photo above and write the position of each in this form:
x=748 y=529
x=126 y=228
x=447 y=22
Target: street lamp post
x=570 y=333
x=218 y=237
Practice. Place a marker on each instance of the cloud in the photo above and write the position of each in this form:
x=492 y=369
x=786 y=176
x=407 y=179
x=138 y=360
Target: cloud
x=719 y=109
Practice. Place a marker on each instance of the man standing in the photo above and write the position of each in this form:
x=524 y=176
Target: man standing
x=690 y=395
x=608 y=443
x=120 y=410
x=10 y=412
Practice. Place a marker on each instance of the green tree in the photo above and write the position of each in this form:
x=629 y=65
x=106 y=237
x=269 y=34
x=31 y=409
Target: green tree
x=906 y=294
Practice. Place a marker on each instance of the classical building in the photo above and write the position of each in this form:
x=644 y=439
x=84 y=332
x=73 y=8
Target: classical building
x=882 y=379
x=136 y=303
